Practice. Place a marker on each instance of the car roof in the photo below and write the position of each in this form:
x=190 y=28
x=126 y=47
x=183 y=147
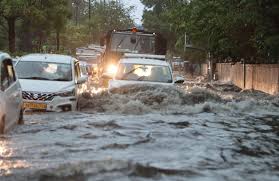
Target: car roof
x=54 y=58
x=145 y=56
x=4 y=56
x=144 y=61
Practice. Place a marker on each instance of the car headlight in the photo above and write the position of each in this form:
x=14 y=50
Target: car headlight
x=111 y=69
x=67 y=93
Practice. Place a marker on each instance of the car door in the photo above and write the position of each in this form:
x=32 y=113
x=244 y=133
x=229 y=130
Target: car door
x=12 y=92
x=6 y=93
x=15 y=87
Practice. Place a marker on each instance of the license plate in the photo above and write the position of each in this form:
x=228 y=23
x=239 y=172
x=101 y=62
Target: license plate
x=31 y=105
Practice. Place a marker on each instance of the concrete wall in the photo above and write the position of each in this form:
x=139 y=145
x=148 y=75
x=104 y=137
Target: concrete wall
x=262 y=77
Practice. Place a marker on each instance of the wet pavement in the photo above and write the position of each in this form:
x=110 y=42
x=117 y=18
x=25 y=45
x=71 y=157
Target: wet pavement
x=193 y=132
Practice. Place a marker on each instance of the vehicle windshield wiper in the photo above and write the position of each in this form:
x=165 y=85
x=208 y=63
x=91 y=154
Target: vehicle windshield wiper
x=131 y=71
x=141 y=78
x=35 y=78
x=60 y=79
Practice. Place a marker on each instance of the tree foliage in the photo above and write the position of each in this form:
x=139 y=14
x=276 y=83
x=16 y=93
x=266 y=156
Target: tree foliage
x=57 y=25
x=106 y=17
x=32 y=20
x=234 y=29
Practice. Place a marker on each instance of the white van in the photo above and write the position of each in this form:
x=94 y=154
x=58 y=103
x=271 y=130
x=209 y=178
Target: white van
x=50 y=82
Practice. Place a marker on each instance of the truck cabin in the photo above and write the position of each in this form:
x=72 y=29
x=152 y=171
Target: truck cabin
x=134 y=41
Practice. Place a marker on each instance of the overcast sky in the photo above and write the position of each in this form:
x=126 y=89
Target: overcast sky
x=138 y=9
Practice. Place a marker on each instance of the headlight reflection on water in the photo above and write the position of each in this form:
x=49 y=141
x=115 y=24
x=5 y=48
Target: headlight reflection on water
x=7 y=163
x=97 y=90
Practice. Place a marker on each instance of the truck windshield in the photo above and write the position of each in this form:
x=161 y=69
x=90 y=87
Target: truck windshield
x=128 y=43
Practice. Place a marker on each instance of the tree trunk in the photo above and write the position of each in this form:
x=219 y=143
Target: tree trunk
x=25 y=42
x=40 y=42
x=11 y=31
x=57 y=40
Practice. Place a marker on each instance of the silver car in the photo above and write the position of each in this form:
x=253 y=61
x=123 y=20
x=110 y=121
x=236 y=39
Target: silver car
x=11 y=111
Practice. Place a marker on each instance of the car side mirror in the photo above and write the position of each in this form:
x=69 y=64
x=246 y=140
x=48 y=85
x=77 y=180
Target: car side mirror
x=107 y=76
x=82 y=80
x=179 y=80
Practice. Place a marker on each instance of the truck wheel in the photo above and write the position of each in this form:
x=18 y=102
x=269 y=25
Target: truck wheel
x=20 y=120
x=2 y=125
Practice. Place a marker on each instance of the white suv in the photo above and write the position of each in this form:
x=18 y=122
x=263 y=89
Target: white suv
x=140 y=70
x=10 y=95
x=50 y=82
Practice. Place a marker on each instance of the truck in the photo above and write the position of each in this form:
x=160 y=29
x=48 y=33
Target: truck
x=133 y=41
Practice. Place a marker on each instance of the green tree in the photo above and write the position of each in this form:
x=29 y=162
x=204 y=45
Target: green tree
x=3 y=33
x=47 y=23
x=11 y=10
x=59 y=16
x=106 y=17
x=36 y=20
x=238 y=29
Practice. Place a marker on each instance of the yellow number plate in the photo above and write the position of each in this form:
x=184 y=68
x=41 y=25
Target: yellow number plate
x=31 y=105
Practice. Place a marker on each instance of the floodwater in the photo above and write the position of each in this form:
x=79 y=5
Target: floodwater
x=192 y=132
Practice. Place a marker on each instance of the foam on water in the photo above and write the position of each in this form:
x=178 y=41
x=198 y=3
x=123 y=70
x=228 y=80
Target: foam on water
x=142 y=99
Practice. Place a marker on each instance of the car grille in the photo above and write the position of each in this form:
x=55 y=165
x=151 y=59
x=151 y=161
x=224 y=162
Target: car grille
x=38 y=96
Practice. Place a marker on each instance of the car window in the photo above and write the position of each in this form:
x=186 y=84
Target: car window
x=84 y=70
x=11 y=71
x=7 y=74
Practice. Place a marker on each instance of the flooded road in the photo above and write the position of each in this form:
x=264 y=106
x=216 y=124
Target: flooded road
x=208 y=132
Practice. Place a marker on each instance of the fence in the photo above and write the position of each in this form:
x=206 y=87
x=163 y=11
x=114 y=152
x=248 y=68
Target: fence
x=262 y=77
x=204 y=69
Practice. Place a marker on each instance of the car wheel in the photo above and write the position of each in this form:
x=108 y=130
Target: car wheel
x=20 y=119
x=2 y=125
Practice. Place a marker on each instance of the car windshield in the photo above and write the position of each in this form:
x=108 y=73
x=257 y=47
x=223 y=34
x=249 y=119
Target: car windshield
x=124 y=42
x=14 y=62
x=44 y=71
x=139 y=72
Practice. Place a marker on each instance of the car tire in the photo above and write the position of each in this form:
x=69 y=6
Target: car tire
x=2 y=125
x=20 y=119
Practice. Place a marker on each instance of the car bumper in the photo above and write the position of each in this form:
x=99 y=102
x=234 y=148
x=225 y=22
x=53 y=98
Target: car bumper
x=58 y=104
x=114 y=84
